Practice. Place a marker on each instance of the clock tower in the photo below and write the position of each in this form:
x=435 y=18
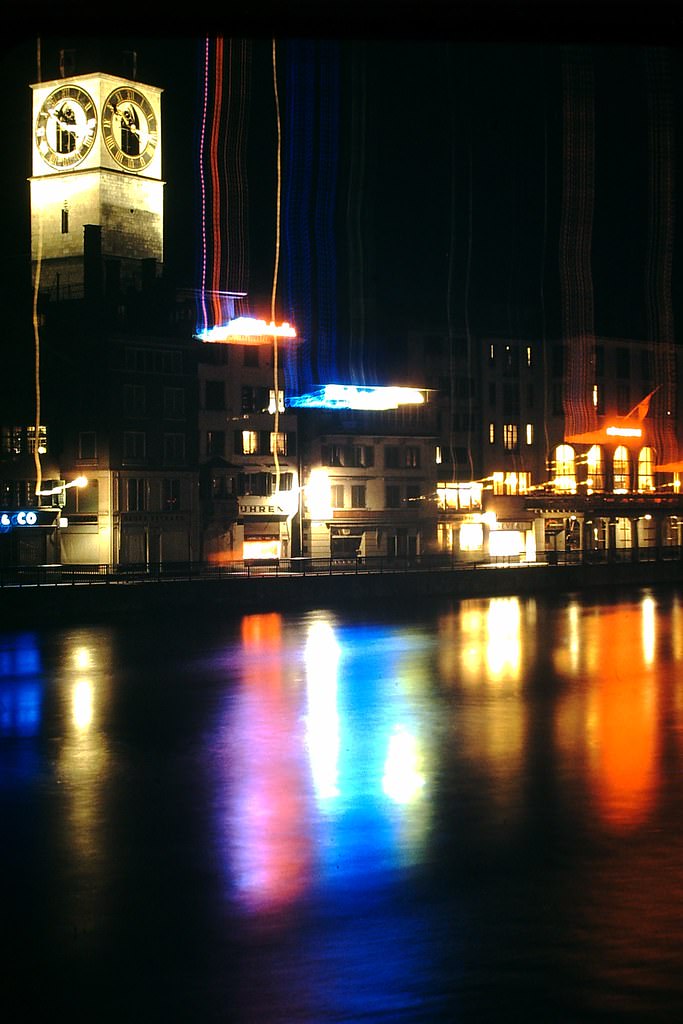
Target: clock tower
x=96 y=166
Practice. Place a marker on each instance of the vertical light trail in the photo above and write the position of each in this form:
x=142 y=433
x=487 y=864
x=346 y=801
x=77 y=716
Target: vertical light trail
x=354 y=215
x=36 y=326
x=661 y=218
x=215 y=183
x=223 y=188
x=276 y=374
x=202 y=186
x=576 y=239
x=310 y=209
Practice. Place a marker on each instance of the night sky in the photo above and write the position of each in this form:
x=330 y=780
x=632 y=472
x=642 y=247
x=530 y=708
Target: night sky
x=444 y=164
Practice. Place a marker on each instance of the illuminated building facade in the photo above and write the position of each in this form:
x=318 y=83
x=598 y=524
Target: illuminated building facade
x=249 y=471
x=118 y=386
x=369 y=482
x=506 y=449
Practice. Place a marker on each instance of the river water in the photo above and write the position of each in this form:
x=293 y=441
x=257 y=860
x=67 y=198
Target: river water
x=466 y=811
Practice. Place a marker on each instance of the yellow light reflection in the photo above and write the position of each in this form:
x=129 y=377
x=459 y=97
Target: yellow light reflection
x=82 y=658
x=503 y=650
x=609 y=722
x=403 y=779
x=82 y=704
x=649 y=633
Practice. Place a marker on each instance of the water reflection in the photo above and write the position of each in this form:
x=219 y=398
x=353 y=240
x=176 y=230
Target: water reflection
x=415 y=820
x=609 y=723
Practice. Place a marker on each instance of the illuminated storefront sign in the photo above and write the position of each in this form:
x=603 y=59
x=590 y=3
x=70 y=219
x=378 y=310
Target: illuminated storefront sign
x=10 y=519
x=26 y=518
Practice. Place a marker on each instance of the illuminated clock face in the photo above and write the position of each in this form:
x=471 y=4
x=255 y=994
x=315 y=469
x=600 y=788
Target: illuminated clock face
x=66 y=126
x=129 y=128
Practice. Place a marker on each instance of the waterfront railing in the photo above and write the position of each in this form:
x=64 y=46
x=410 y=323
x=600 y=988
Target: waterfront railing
x=92 y=575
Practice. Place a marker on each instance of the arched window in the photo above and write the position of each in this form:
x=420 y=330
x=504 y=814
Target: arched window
x=565 y=468
x=595 y=480
x=622 y=473
x=645 y=461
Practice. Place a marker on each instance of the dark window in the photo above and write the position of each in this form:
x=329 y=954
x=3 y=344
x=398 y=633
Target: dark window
x=65 y=222
x=412 y=456
x=134 y=399
x=358 y=496
x=136 y=494
x=599 y=361
x=251 y=355
x=215 y=442
x=214 y=394
x=174 y=448
x=174 y=403
x=558 y=360
x=391 y=457
x=623 y=398
x=170 y=494
x=87 y=445
x=623 y=362
x=392 y=496
x=510 y=398
x=134 y=444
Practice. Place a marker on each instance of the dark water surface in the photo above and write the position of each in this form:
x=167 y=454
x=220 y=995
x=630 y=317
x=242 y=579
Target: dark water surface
x=466 y=812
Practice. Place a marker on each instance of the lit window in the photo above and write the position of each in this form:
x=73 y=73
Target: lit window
x=281 y=443
x=645 y=479
x=595 y=479
x=528 y=355
x=529 y=433
x=620 y=464
x=438 y=455
x=280 y=401
x=31 y=439
x=565 y=472
x=510 y=436
x=492 y=433
x=249 y=442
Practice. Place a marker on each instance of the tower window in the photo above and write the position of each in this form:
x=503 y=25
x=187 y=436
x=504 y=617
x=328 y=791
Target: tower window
x=65 y=221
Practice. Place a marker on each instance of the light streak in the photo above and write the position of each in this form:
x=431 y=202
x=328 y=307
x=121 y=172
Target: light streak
x=576 y=231
x=246 y=330
x=351 y=396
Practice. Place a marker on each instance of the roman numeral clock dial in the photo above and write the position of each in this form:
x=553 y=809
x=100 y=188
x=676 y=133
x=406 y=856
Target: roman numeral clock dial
x=129 y=128
x=66 y=127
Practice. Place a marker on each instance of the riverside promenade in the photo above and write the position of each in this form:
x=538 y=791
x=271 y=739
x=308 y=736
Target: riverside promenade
x=95 y=594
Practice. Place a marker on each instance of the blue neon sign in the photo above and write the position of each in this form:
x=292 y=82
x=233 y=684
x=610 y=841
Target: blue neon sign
x=22 y=518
